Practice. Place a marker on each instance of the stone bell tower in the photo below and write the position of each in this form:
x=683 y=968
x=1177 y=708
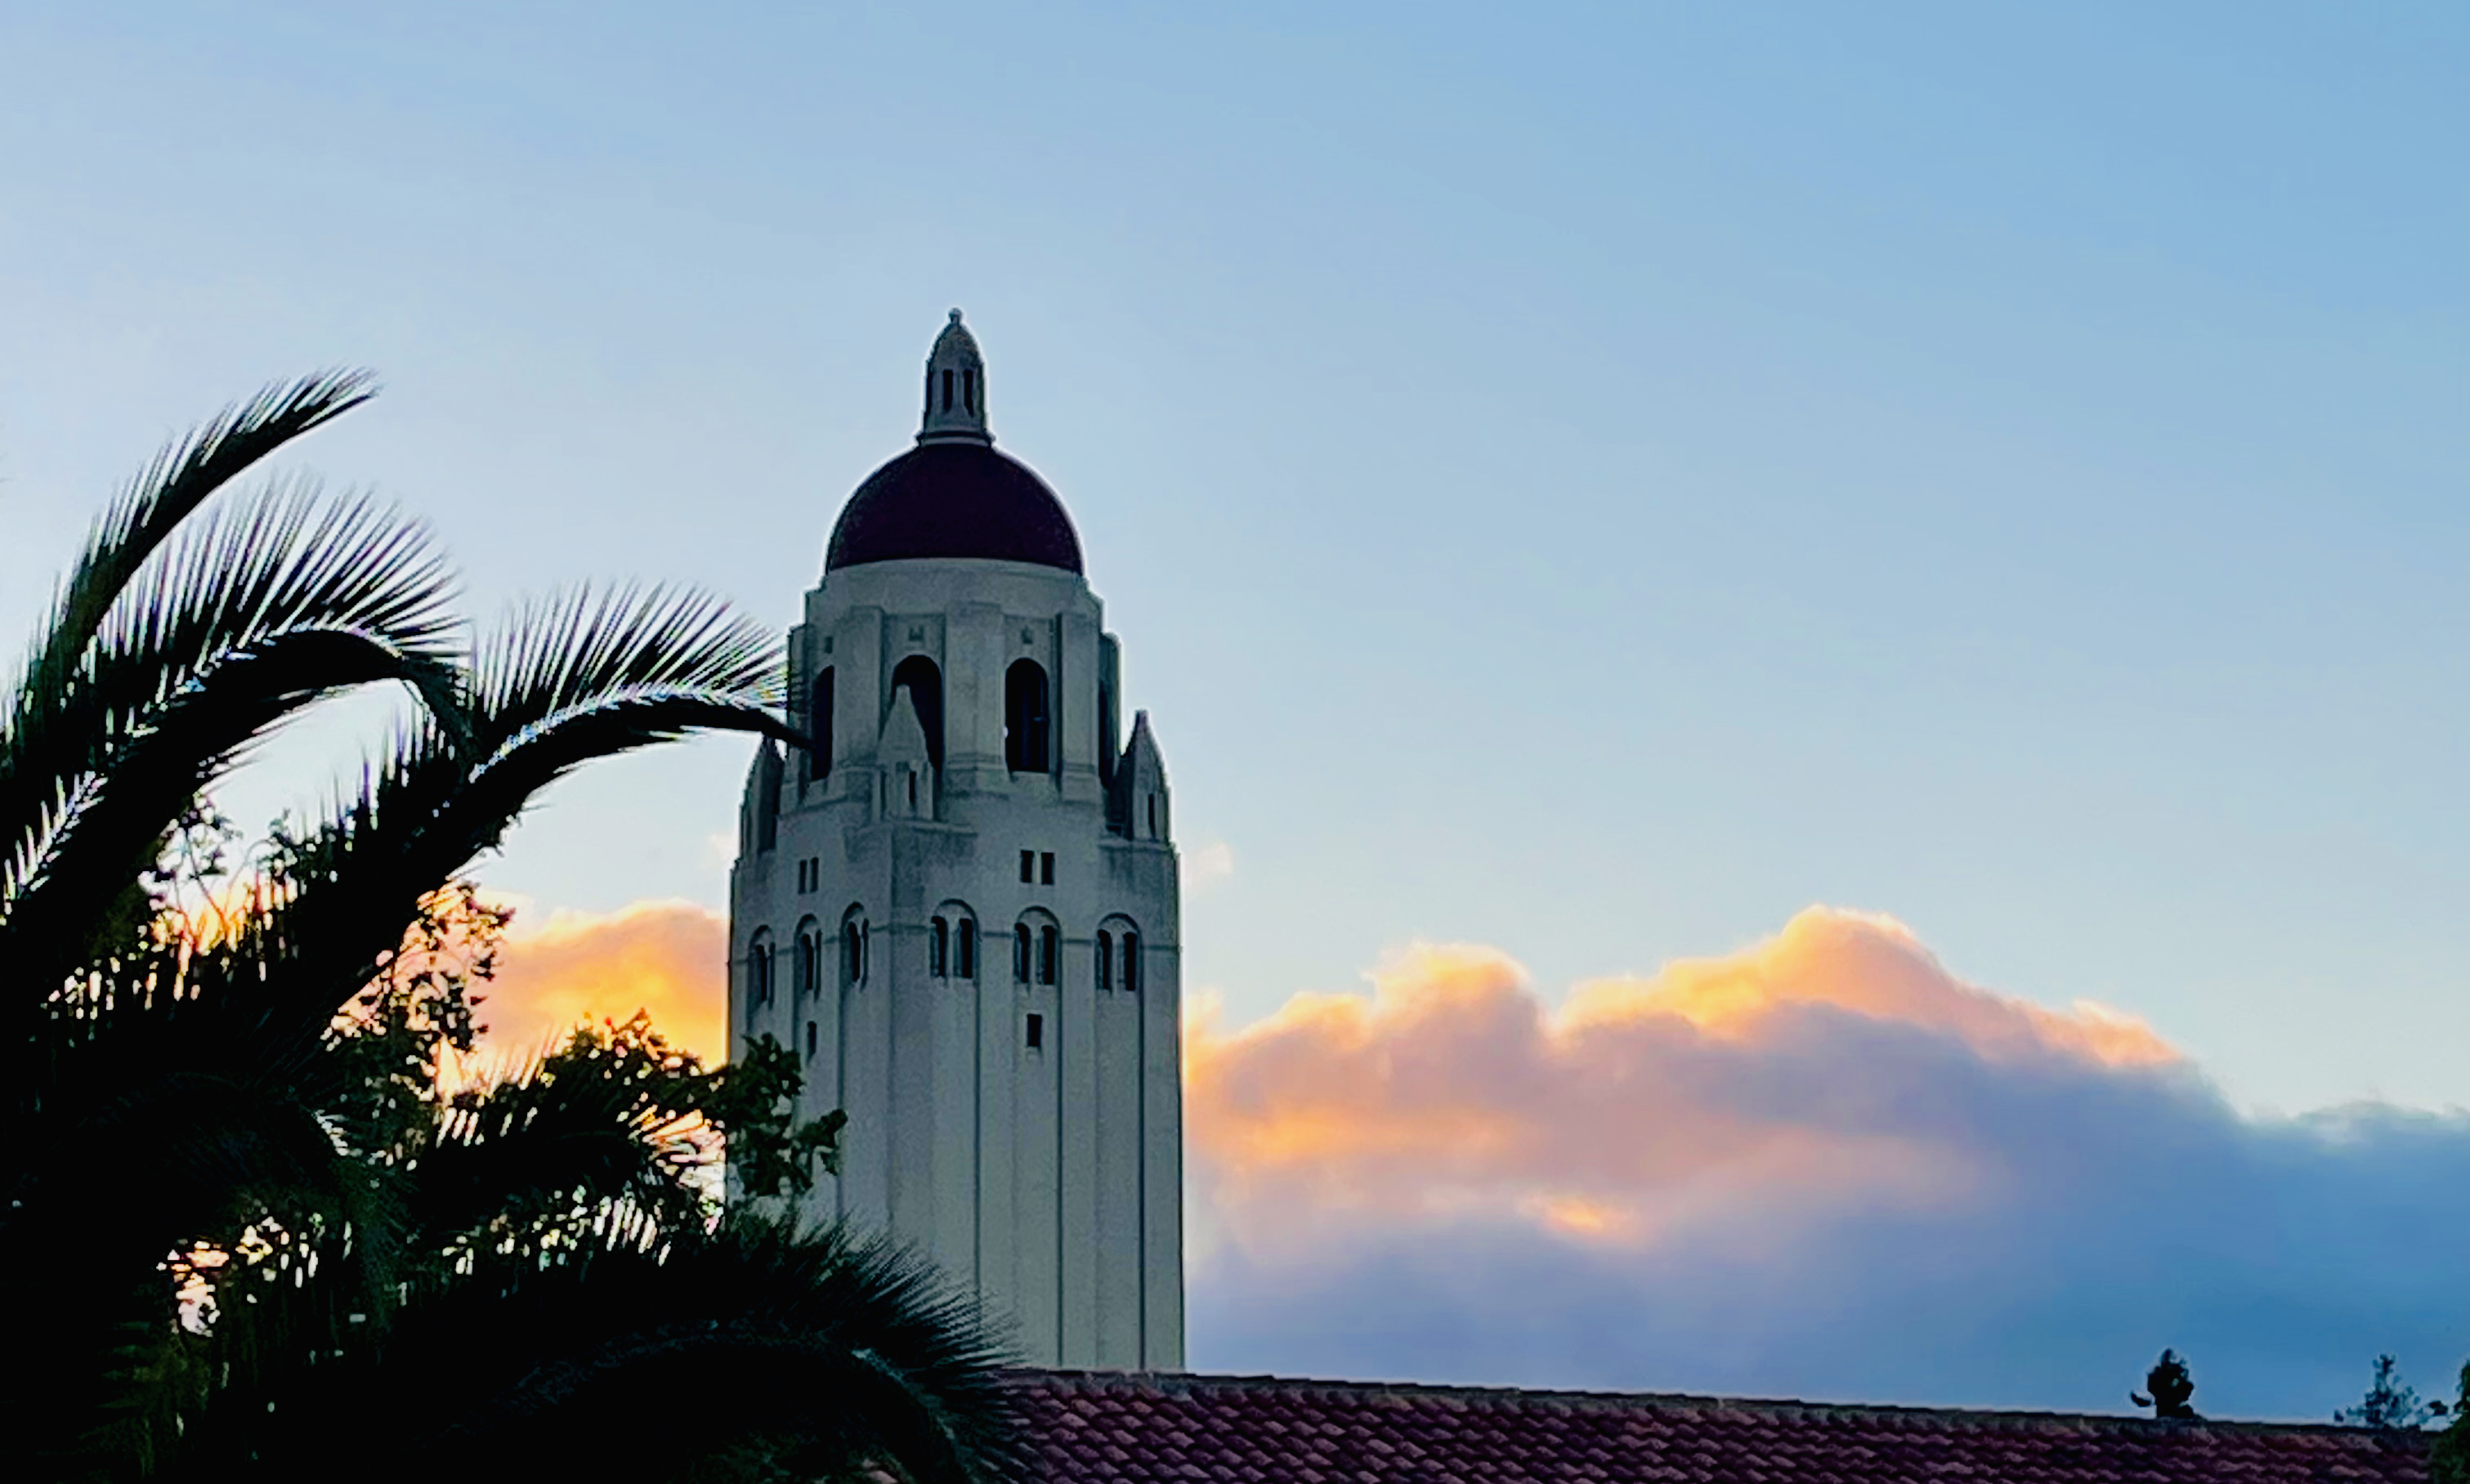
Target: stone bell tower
x=960 y=907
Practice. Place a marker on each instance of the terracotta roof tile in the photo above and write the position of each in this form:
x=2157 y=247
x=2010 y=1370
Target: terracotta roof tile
x=1143 y=1429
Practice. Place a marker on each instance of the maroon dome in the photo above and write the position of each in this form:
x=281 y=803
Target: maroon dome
x=958 y=499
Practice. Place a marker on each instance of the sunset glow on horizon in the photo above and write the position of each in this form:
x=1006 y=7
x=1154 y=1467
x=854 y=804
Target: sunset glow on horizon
x=1824 y=1124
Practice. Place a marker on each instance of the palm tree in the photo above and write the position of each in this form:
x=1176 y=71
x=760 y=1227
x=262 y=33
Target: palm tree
x=519 y=1267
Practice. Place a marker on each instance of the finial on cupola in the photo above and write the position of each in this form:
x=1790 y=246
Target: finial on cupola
x=956 y=389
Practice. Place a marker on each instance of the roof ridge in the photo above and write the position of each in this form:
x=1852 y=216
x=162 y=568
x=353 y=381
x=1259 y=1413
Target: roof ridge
x=1175 y=1381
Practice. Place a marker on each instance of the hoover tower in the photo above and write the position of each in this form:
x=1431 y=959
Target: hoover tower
x=959 y=907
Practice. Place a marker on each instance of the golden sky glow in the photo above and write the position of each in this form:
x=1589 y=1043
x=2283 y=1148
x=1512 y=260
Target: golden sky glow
x=664 y=957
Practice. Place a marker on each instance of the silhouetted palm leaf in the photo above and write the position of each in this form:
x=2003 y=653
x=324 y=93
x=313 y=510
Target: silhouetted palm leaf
x=41 y=749
x=653 y=1350
x=260 y=613
x=140 y=1170
x=174 y=1089
x=589 y=676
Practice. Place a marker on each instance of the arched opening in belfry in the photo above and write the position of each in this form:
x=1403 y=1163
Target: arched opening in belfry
x=924 y=683
x=1118 y=955
x=951 y=943
x=806 y=961
x=853 y=949
x=759 y=974
x=818 y=727
x=1026 y=721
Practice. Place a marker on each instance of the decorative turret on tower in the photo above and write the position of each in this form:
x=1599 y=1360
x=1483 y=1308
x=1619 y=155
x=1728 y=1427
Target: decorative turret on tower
x=960 y=905
x=956 y=387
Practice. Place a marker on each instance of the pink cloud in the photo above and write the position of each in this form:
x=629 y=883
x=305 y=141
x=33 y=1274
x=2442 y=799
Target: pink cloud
x=1641 y=1108
x=1825 y=1165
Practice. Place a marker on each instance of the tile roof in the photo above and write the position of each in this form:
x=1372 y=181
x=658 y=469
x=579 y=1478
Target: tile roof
x=1222 y=1430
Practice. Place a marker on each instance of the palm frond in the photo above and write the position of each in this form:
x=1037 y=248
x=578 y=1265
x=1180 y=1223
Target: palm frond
x=587 y=676
x=181 y=478
x=124 y=1176
x=832 y=1353
x=181 y=1087
x=575 y=650
x=554 y=747
x=119 y=1185
x=119 y=822
x=281 y=561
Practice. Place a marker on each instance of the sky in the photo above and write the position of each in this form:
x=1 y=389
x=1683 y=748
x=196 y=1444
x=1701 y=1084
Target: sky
x=1583 y=491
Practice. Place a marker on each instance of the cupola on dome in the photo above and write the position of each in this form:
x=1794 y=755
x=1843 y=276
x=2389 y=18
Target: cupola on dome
x=953 y=495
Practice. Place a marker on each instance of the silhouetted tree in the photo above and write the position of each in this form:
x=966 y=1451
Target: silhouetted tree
x=251 y=1233
x=2390 y=1403
x=2448 y=1462
x=2171 y=1388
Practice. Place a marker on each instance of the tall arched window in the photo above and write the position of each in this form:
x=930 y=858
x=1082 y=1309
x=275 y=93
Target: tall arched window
x=952 y=942
x=925 y=686
x=759 y=971
x=1119 y=955
x=806 y=960
x=1020 y=953
x=819 y=726
x=1026 y=721
x=1050 y=949
x=852 y=948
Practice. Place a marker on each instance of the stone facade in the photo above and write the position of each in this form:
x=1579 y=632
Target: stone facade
x=960 y=908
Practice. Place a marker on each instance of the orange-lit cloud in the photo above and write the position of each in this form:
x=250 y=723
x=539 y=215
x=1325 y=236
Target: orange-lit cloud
x=1824 y=1165
x=668 y=958
x=1870 y=966
x=1640 y=1108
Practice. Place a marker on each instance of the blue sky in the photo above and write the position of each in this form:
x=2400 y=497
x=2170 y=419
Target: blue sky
x=1592 y=482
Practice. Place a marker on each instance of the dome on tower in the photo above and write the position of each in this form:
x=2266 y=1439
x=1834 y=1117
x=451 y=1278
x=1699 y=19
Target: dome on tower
x=953 y=495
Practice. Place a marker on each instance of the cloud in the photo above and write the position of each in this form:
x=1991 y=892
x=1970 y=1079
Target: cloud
x=1825 y=1165
x=1205 y=866
x=666 y=957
